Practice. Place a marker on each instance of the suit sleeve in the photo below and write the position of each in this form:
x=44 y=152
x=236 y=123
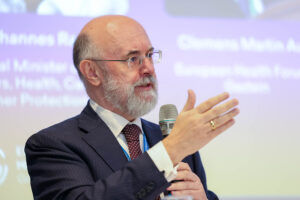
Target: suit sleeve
x=58 y=172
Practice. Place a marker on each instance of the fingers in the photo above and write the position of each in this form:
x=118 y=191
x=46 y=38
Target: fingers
x=183 y=166
x=196 y=194
x=189 y=183
x=208 y=104
x=187 y=176
x=219 y=121
x=193 y=130
x=184 y=185
x=190 y=103
x=220 y=109
x=185 y=173
x=224 y=127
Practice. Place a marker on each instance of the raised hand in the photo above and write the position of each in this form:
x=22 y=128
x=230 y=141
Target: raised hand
x=197 y=126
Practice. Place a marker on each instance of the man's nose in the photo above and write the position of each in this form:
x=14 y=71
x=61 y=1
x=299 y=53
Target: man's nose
x=147 y=67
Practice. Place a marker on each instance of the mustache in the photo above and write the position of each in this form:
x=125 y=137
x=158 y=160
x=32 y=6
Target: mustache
x=146 y=80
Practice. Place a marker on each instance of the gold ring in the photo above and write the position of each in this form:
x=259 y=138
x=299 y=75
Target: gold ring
x=212 y=125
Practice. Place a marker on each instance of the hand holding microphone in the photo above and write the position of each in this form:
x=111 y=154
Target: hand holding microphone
x=196 y=126
x=186 y=181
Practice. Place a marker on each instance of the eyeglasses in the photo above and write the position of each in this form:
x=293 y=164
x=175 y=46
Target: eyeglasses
x=154 y=57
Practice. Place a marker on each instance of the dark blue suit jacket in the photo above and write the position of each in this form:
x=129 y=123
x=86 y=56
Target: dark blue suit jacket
x=80 y=158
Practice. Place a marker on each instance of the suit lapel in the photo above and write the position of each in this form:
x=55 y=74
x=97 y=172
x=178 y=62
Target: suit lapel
x=152 y=132
x=101 y=139
x=97 y=135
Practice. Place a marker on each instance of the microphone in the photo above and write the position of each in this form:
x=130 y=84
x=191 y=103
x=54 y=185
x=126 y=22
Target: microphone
x=167 y=117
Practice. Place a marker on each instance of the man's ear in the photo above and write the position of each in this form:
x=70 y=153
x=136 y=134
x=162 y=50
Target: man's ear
x=90 y=72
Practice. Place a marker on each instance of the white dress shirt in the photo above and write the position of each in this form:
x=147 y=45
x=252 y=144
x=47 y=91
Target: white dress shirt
x=157 y=153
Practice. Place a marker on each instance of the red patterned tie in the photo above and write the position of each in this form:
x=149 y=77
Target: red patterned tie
x=132 y=135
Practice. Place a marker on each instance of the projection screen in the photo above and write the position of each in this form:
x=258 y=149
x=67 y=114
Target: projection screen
x=250 y=49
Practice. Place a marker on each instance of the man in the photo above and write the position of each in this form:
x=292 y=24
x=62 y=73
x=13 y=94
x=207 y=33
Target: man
x=92 y=156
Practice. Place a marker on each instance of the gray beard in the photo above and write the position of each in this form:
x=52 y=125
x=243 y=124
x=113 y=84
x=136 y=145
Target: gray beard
x=122 y=97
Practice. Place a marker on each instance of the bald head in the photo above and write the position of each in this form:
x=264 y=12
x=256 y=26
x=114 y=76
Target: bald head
x=99 y=53
x=109 y=33
x=107 y=37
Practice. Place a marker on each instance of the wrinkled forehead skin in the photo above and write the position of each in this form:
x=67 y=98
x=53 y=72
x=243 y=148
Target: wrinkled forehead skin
x=116 y=35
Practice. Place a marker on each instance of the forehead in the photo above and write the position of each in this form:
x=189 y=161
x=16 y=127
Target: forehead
x=126 y=37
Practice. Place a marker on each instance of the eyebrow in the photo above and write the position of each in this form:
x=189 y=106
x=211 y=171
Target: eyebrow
x=137 y=51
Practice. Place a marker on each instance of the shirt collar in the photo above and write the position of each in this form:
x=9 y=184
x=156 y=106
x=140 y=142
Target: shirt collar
x=115 y=122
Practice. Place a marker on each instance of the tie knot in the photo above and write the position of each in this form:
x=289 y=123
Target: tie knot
x=131 y=132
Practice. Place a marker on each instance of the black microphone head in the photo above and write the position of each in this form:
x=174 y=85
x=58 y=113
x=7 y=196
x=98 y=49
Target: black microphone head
x=167 y=117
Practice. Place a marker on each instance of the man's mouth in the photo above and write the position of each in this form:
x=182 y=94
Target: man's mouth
x=147 y=86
